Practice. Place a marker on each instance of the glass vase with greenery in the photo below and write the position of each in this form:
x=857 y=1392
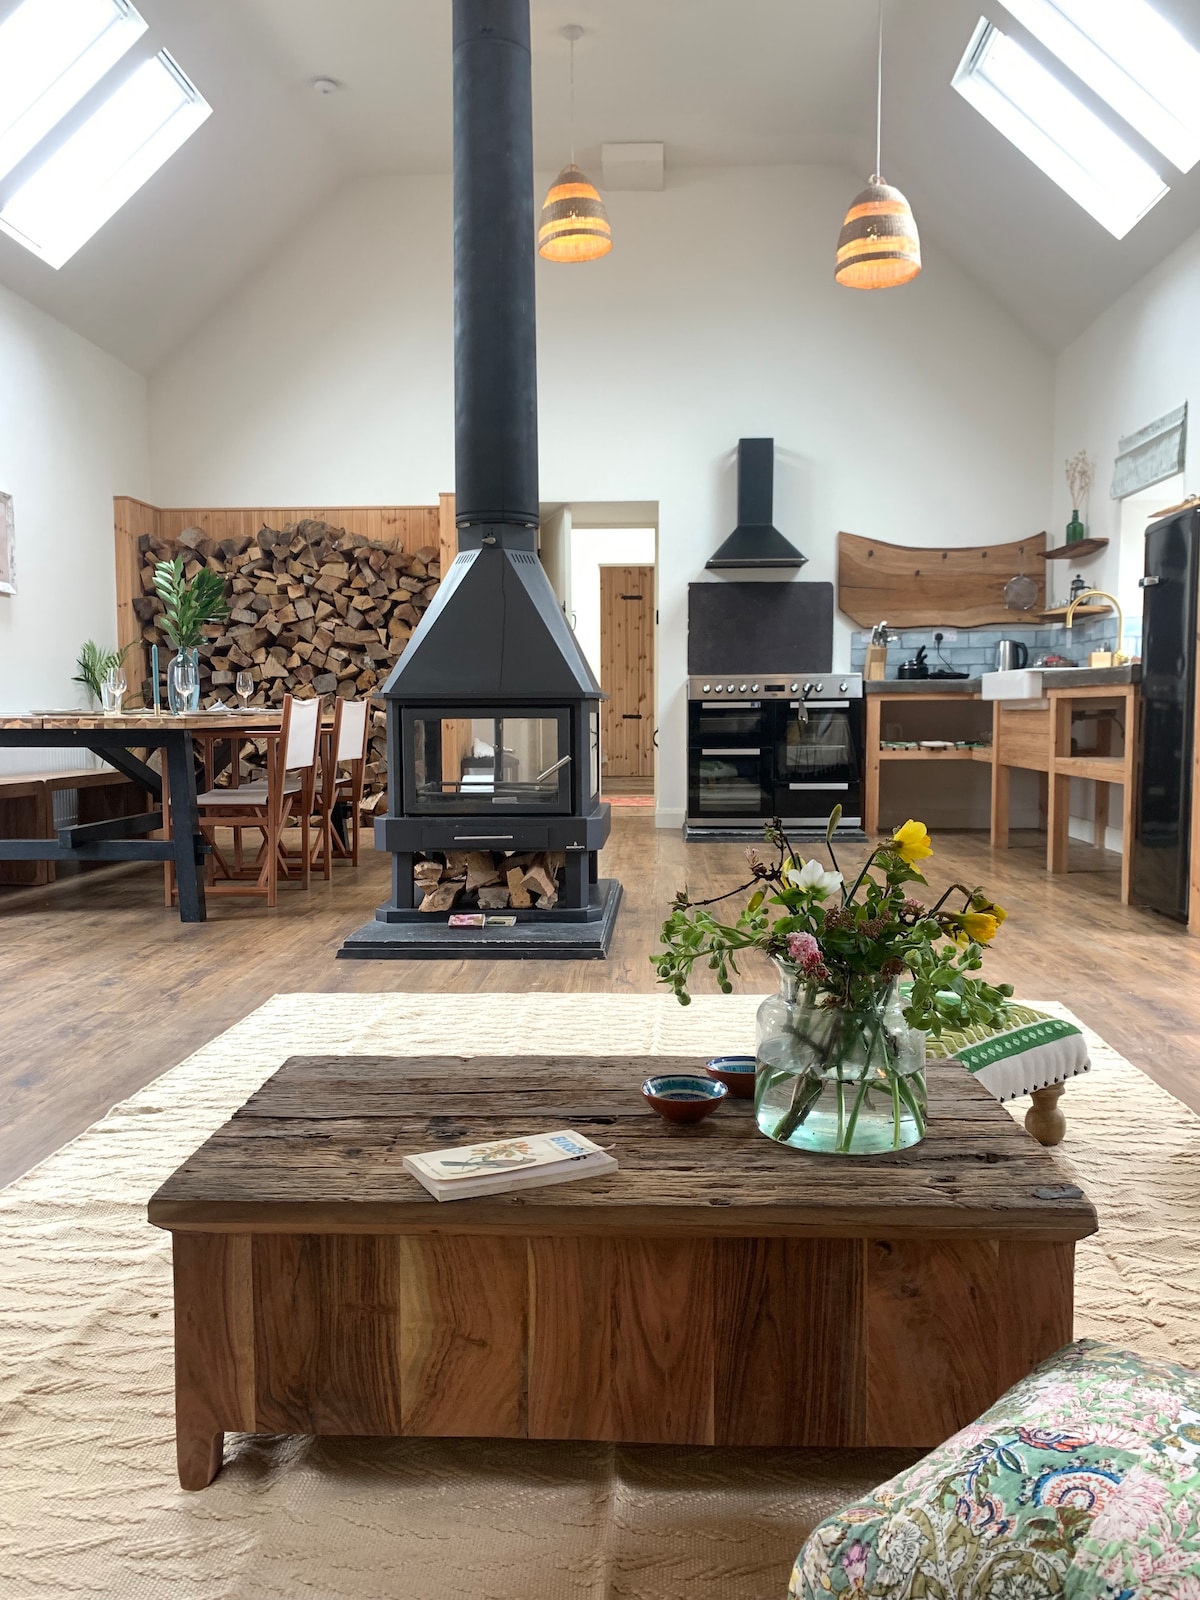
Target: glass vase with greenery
x=866 y=971
x=188 y=604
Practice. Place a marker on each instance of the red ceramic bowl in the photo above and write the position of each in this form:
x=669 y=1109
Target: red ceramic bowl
x=736 y=1073
x=683 y=1097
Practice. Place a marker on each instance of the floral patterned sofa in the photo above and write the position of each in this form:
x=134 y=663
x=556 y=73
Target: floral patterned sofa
x=1082 y=1482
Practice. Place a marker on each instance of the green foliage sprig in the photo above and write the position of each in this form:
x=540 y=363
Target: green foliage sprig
x=94 y=665
x=848 y=944
x=188 y=606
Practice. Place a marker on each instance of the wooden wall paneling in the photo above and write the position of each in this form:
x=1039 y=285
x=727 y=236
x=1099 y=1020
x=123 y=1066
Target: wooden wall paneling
x=447 y=531
x=572 y=1287
x=131 y=520
x=914 y=587
x=410 y=528
x=932 y=1338
x=327 y=1333
x=214 y=1349
x=463 y=1320
x=790 y=1342
x=1036 y=1306
x=663 y=1342
x=627 y=670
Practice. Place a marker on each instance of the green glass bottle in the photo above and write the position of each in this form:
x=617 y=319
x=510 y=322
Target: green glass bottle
x=1075 y=528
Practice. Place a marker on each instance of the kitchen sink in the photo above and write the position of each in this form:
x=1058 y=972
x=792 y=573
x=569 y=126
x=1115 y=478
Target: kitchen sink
x=1024 y=683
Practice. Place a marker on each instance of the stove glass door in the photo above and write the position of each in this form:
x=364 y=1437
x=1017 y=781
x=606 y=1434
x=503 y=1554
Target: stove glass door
x=479 y=761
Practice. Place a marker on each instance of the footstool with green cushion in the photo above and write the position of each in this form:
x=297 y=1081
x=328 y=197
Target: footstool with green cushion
x=1082 y=1482
x=1031 y=1053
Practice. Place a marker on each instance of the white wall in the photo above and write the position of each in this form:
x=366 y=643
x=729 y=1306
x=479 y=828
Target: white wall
x=919 y=415
x=72 y=434
x=1136 y=362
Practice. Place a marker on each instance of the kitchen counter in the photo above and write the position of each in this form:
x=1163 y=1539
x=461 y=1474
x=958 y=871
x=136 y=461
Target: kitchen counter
x=922 y=686
x=1088 y=677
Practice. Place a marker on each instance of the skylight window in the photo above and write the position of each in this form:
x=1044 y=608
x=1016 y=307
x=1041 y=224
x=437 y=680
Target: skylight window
x=51 y=53
x=1133 y=59
x=1058 y=133
x=107 y=159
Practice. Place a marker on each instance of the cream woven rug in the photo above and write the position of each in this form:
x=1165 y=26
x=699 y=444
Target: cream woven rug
x=88 y=1497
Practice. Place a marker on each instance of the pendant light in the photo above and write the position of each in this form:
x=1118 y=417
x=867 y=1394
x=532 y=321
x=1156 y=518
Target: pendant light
x=574 y=222
x=878 y=247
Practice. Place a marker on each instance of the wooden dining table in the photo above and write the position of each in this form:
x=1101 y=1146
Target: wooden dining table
x=122 y=740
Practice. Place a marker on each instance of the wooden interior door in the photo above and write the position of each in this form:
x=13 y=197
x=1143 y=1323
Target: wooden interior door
x=627 y=671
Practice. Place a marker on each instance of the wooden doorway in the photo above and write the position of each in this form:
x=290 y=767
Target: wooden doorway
x=627 y=672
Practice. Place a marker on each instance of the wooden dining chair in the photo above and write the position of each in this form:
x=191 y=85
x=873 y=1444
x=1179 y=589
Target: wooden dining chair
x=342 y=783
x=269 y=805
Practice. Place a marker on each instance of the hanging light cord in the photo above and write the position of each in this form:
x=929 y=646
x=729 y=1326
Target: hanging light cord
x=878 y=102
x=572 y=44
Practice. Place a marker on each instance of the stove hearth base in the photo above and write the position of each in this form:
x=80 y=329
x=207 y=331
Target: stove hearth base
x=536 y=936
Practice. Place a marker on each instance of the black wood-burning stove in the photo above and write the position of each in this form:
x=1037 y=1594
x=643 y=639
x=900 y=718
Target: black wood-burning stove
x=493 y=712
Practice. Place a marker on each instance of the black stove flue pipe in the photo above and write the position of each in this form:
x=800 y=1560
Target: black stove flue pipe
x=495 y=342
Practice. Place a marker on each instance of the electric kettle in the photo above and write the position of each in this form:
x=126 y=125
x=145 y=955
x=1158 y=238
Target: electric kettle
x=1011 y=655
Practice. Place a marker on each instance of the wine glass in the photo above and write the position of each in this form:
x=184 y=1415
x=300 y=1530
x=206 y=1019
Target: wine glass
x=112 y=690
x=245 y=687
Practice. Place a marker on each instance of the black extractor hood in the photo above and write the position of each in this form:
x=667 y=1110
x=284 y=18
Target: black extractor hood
x=755 y=542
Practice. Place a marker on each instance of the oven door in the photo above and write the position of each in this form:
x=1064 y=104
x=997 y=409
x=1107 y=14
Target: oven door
x=729 y=763
x=818 y=760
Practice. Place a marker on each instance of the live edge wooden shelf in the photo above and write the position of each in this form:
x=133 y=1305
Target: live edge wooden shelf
x=718 y=1289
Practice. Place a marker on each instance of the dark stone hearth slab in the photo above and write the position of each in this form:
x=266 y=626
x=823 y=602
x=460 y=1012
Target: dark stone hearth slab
x=527 y=941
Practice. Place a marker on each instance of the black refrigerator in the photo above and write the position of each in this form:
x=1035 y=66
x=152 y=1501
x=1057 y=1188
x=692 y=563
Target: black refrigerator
x=1164 y=801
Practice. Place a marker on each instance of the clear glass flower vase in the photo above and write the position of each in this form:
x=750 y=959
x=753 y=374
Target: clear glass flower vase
x=834 y=1080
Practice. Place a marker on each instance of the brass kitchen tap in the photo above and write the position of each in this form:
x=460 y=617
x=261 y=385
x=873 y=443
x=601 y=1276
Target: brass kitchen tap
x=1118 y=659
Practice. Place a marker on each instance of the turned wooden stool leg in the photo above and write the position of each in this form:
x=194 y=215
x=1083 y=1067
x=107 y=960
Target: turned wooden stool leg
x=1043 y=1119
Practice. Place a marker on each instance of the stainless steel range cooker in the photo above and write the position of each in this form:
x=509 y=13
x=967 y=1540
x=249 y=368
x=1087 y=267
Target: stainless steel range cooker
x=764 y=745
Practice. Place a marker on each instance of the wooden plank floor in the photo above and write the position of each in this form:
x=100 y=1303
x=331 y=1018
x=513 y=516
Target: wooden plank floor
x=102 y=989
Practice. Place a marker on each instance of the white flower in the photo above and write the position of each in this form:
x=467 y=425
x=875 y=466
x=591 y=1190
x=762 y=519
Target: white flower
x=813 y=876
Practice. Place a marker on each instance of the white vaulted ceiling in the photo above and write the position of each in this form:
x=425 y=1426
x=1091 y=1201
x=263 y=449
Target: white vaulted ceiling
x=719 y=82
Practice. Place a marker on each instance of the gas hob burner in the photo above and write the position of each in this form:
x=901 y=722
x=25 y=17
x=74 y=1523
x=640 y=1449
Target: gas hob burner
x=813 y=688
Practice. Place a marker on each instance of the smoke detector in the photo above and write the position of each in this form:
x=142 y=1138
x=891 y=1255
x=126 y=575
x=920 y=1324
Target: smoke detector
x=326 y=85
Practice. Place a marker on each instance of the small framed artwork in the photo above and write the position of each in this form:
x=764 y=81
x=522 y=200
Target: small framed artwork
x=8 y=546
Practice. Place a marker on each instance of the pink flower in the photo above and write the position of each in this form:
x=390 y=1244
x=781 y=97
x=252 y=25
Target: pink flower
x=804 y=950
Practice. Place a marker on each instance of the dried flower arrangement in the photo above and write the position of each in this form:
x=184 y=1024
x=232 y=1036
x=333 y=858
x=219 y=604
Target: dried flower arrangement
x=1080 y=474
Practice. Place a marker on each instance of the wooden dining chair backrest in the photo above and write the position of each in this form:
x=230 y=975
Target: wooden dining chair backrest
x=300 y=733
x=350 y=730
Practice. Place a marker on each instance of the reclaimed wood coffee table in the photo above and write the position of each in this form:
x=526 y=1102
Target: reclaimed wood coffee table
x=718 y=1289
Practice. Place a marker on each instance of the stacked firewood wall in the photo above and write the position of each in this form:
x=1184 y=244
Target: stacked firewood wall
x=315 y=611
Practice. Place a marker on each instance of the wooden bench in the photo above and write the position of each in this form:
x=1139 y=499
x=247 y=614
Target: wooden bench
x=27 y=811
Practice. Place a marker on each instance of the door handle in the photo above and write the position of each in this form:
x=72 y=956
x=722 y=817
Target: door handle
x=840 y=788
x=631 y=716
x=1148 y=583
x=731 y=752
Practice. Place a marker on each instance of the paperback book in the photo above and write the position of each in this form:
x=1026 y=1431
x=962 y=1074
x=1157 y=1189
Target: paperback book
x=505 y=1164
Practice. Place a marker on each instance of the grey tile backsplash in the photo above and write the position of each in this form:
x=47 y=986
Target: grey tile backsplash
x=974 y=649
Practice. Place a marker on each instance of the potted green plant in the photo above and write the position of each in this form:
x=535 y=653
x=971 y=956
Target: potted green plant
x=94 y=664
x=866 y=971
x=187 y=607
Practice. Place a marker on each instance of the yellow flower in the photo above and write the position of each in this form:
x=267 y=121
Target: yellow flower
x=981 y=903
x=911 y=842
x=981 y=926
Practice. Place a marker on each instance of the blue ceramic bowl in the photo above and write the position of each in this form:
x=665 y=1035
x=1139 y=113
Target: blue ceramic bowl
x=736 y=1073
x=680 y=1097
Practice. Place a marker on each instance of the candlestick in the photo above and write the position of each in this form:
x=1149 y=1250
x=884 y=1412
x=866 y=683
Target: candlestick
x=154 y=674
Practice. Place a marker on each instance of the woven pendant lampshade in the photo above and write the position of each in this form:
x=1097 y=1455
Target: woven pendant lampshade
x=879 y=247
x=575 y=225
